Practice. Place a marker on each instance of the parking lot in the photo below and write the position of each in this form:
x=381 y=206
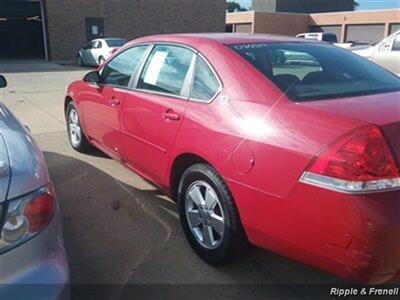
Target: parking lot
x=119 y=231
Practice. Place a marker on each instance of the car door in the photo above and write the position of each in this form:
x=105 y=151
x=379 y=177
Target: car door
x=388 y=55
x=97 y=51
x=154 y=109
x=87 y=53
x=103 y=102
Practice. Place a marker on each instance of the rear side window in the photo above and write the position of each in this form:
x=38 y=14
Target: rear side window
x=166 y=70
x=118 y=72
x=205 y=83
x=314 y=71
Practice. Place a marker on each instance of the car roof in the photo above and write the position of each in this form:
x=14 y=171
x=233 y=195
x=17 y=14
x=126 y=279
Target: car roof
x=221 y=38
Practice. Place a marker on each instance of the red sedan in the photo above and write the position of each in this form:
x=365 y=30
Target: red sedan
x=291 y=145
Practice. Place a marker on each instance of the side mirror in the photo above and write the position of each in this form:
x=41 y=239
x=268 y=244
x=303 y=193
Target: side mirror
x=92 y=77
x=3 y=82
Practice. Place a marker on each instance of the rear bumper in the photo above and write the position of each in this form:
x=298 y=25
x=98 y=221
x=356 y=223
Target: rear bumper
x=36 y=269
x=356 y=237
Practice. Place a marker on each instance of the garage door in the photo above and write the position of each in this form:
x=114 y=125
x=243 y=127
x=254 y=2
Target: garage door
x=21 y=30
x=244 y=28
x=365 y=33
x=335 y=29
x=394 y=28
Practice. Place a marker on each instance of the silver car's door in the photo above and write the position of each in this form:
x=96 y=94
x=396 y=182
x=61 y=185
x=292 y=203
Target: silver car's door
x=88 y=58
x=97 y=52
x=388 y=55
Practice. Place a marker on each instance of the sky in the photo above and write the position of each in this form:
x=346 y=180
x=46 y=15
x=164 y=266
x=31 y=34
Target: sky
x=364 y=4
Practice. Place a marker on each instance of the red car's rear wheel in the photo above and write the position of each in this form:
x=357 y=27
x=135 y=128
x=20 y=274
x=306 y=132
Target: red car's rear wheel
x=209 y=217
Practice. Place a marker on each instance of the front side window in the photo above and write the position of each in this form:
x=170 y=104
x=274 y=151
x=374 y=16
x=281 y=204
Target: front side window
x=97 y=45
x=166 y=70
x=90 y=45
x=118 y=72
x=313 y=71
x=396 y=44
x=205 y=84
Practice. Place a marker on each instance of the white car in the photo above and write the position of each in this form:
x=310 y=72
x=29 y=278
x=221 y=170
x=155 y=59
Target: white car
x=386 y=53
x=323 y=37
x=98 y=51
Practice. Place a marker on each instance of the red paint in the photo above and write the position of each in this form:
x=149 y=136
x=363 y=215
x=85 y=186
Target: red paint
x=356 y=237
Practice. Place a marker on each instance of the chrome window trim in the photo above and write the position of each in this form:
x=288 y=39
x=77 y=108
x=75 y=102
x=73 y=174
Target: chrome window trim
x=158 y=94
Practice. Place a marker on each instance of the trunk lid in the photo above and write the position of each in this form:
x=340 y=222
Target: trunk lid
x=381 y=109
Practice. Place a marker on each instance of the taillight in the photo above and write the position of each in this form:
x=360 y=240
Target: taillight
x=358 y=163
x=26 y=217
x=39 y=212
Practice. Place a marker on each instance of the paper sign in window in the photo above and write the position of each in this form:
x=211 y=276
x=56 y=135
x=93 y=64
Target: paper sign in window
x=154 y=69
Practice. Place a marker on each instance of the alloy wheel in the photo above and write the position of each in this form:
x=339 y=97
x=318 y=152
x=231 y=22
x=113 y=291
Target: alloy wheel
x=75 y=131
x=204 y=214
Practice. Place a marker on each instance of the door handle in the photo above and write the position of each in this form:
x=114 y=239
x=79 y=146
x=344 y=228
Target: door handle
x=114 y=102
x=171 y=115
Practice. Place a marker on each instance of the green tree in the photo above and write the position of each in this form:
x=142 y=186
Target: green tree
x=233 y=6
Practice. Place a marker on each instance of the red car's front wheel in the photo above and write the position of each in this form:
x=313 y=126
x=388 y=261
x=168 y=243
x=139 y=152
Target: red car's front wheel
x=76 y=135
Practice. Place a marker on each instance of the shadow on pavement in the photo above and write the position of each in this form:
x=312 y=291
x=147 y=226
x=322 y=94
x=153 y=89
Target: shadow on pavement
x=126 y=243
x=34 y=66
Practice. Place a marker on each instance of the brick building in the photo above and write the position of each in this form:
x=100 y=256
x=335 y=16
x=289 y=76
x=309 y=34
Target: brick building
x=55 y=29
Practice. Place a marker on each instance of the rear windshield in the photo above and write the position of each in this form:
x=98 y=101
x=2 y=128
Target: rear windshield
x=115 y=43
x=316 y=71
x=330 y=38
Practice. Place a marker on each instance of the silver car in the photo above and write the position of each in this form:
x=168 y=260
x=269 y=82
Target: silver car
x=33 y=262
x=98 y=51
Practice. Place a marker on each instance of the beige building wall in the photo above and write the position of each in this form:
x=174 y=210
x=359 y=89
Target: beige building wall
x=386 y=17
x=293 y=24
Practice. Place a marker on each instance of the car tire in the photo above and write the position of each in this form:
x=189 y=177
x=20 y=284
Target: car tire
x=79 y=60
x=76 y=136
x=101 y=60
x=216 y=233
